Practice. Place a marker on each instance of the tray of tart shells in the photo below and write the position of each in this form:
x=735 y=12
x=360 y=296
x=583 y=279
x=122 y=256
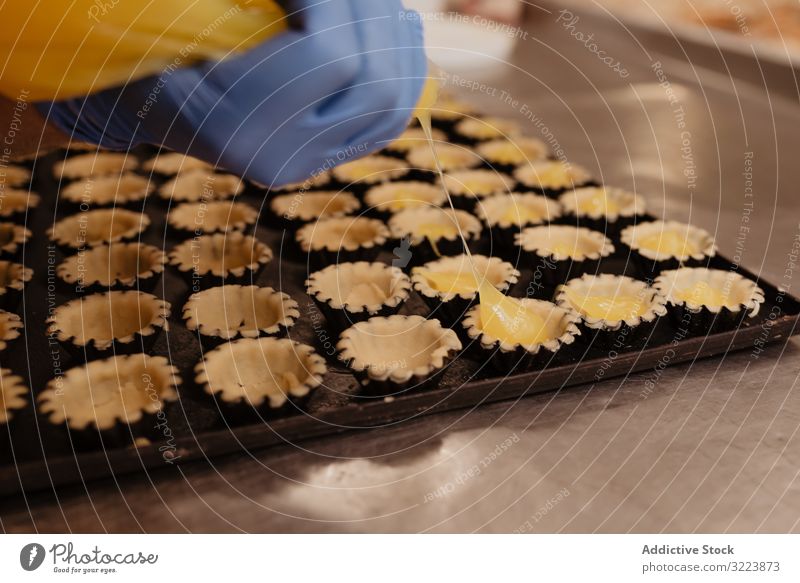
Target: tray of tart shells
x=169 y=310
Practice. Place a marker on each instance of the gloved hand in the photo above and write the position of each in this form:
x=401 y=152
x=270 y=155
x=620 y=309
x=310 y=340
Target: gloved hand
x=339 y=87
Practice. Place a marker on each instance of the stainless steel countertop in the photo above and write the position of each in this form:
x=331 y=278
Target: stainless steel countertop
x=714 y=448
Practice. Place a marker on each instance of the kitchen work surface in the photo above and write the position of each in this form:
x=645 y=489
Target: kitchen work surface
x=706 y=446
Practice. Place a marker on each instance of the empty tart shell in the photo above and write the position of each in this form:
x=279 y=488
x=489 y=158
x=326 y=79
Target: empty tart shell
x=613 y=308
x=13 y=277
x=507 y=154
x=343 y=239
x=603 y=208
x=413 y=137
x=172 y=163
x=261 y=374
x=451 y=157
x=560 y=332
x=94 y=164
x=394 y=197
x=449 y=288
x=664 y=245
x=213 y=259
x=232 y=311
x=111 y=266
x=353 y=292
x=298 y=208
x=10 y=328
x=369 y=170
x=434 y=232
x=98 y=226
x=17 y=202
x=398 y=353
x=12 y=397
x=200 y=186
x=559 y=253
x=14 y=176
x=703 y=300
x=120 y=398
x=468 y=187
x=12 y=239
x=506 y=215
x=552 y=177
x=120 y=190
x=126 y=321
x=212 y=217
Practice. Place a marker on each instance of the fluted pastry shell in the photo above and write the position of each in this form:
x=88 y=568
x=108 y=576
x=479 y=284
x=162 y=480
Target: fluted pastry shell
x=98 y=226
x=434 y=224
x=12 y=395
x=564 y=243
x=344 y=233
x=212 y=217
x=512 y=151
x=172 y=163
x=94 y=164
x=552 y=175
x=108 y=190
x=116 y=264
x=201 y=185
x=514 y=210
x=308 y=206
x=370 y=170
x=220 y=254
x=359 y=286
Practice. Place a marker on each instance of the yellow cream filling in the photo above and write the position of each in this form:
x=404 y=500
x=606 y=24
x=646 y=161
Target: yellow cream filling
x=451 y=281
x=607 y=307
x=509 y=320
x=519 y=215
x=668 y=243
x=598 y=203
x=701 y=293
x=433 y=231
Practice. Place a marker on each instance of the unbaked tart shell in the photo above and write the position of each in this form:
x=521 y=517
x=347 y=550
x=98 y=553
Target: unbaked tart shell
x=552 y=175
x=172 y=163
x=105 y=393
x=200 y=185
x=348 y=234
x=212 y=217
x=370 y=170
x=12 y=238
x=15 y=202
x=232 y=311
x=117 y=318
x=14 y=176
x=108 y=190
x=12 y=395
x=260 y=372
x=220 y=255
x=305 y=207
x=398 y=350
x=94 y=164
x=10 y=328
x=394 y=197
x=118 y=264
x=98 y=226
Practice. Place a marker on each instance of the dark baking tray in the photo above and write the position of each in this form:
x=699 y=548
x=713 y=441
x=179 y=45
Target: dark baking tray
x=43 y=457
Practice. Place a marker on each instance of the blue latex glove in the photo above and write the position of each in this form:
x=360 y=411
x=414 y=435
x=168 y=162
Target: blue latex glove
x=339 y=87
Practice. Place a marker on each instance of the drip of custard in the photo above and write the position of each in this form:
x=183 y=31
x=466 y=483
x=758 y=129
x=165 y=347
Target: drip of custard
x=606 y=307
x=701 y=293
x=434 y=231
x=508 y=319
x=668 y=243
x=459 y=282
x=502 y=317
x=598 y=203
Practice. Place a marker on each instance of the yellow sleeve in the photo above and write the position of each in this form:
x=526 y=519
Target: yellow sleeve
x=55 y=49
